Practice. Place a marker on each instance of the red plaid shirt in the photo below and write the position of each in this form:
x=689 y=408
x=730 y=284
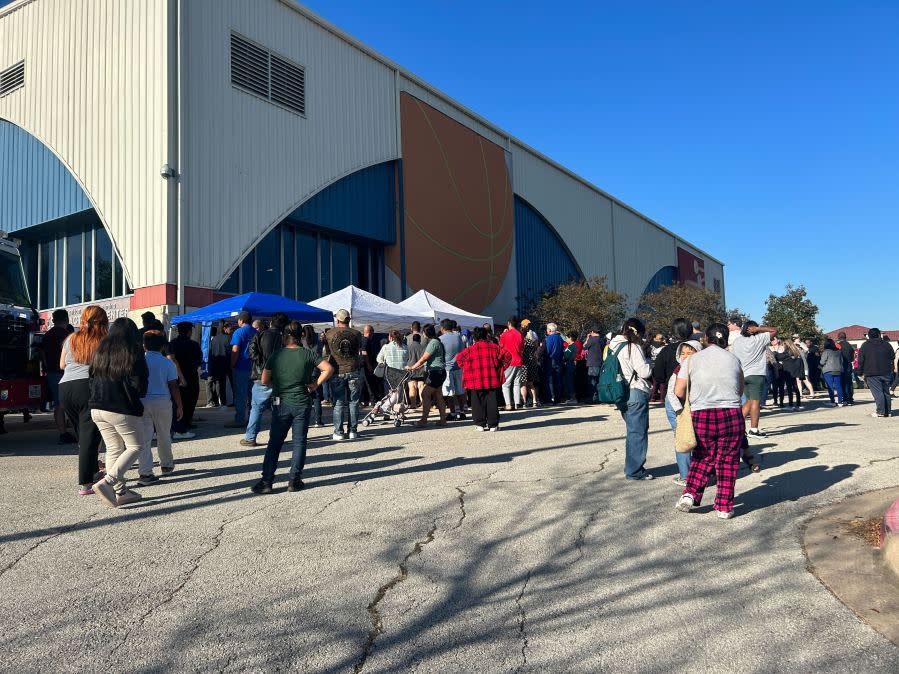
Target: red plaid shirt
x=482 y=366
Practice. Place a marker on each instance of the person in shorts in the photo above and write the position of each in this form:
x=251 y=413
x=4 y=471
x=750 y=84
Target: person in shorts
x=751 y=347
x=453 y=390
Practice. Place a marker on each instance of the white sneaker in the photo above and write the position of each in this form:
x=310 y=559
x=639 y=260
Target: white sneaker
x=493 y=429
x=679 y=481
x=187 y=435
x=685 y=504
x=480 y=429
x=722 y=515
x=338 y=437
x=353 y=435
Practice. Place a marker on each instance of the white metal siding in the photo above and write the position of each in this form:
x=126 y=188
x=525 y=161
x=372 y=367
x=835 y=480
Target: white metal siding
x=95 y=94
x=641 y=249
x=246 y=163
x=580 y=215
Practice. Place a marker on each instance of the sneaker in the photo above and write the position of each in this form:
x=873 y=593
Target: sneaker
x=353 y=435
x=493 y=429
x=725 y=515
x=318 y=425
x=645 y=476
x=535 y=406
x=839 y=405
x=106 y=492
x=874 y=415
x=183 y=436
x=127 y=498
x=338 y=437
x=799 y=407
x=508 y=408
x=480 y=429
x=85 y=490
x=755 y=434
x=167 y=470
x=147 y=480
x=210 y=406
x=679 y=481
x=248 y=443
x=685 y=504
x=262 y=487
x=296 y=484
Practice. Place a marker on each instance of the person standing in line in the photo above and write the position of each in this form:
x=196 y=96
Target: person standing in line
x=751 y=348
x=228 y=331
x=452 y=389
x=415 y=329
x=74 y=391
x=813 y=358
x=803 y=355
x=483 y=364
x=734 y=326
x=847 y=351
x=188 y=357
x=118 y=380
x=875 y=362
x=527 y=332
x=434 y=361
x=312 y=342
x=636 y=371
x=593 y=347
x=530 y=367
x=293 y=373
x=264 y=344
x=512 y=342
x=345 y=345
x=673 y=406
x=554 y=355
x=162 y=392
x=832 y=368
x=51 y=348
x=374 y=386
x=697 y=334
x=570 y=355
x=714 y=378
x=791 y=370
x=218 y=368
x=149 y=322
x=240 y=367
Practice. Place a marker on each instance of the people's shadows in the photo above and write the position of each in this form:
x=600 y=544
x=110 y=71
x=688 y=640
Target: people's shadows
x=259 y=451
x=803 y=428
x=777 y=459
x=794 y=485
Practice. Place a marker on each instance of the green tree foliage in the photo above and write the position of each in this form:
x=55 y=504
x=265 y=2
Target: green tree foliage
x=736 y=311
x=580 y=306
x=659 y=309
x=793 y=313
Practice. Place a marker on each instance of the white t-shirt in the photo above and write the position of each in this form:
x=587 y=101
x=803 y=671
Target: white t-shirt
x=751 y=352
x=715 y=379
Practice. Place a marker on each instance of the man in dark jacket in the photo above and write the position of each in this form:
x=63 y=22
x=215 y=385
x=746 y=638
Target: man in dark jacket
x=593 y=347
x=847 y=351
x=875 y=362
x=263 y=345
x=189 y=356
x=666 y=361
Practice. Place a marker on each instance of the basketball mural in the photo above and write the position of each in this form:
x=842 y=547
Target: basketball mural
x=459 y=224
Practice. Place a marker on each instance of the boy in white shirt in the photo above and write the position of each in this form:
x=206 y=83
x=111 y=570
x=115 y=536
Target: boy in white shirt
x=162 y=389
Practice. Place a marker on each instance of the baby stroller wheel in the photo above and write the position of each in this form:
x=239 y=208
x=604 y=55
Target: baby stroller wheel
x=398 y=423
x=366 y=422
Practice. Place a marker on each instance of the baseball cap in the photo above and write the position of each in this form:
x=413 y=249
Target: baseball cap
x=525 y=323
x=342 y=315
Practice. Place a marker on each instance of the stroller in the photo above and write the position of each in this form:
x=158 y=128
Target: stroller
x=395 y=404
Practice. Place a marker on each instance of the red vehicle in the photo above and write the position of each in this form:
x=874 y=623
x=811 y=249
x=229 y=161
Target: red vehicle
x=22 y=386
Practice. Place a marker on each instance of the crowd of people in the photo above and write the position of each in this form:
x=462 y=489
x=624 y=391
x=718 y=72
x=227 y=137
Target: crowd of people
x=122 y=386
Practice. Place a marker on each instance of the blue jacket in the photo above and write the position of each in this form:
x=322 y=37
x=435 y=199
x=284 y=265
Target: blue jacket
x=555 y=347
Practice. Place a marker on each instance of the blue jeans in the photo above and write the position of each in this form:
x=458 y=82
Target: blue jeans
x=834 y=381
x=636 y=418
x=347 y=388
x=285 y=418
x=554 y=382
x=241 y=395
x=682 y=458
x=260 y=400
x=317 y=406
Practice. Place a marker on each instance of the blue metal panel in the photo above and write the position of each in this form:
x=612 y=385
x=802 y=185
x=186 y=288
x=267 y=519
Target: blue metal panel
x=666 y=276
x=361 y=204
x=541 y=258
x=34 y=185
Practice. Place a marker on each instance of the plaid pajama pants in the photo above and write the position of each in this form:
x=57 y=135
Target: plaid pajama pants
x=719 y=434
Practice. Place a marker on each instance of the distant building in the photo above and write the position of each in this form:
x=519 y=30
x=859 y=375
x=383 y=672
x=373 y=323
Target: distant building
x=855 y=334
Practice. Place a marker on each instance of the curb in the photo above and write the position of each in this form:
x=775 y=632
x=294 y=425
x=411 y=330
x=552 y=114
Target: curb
x=889 y=537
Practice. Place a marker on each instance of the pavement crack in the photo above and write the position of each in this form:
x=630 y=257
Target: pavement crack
x=377 y=624
x=522 y=623
x=873 y=461
x=461 y=508
x=581 y=535
x=56 y=534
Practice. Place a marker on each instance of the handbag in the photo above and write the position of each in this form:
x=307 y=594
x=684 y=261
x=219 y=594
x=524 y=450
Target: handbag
x=380 y=370
x=684 y=433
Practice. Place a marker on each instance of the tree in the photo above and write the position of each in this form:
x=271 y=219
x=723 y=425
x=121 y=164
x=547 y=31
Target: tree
x=793 y=313
x=736 y=311
x=659 y=309
x=581 y=306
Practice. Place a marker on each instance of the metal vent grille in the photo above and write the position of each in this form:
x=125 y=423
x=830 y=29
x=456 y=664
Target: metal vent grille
x=12 y=78
x=267 y=75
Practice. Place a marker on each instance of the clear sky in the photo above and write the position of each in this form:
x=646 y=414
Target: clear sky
x=765 y=132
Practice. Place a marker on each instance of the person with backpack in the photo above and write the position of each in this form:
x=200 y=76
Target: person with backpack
x=261 y=348
x=624 y=381
x=344 y=346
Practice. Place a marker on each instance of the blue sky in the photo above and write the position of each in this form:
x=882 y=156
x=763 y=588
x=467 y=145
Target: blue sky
x=767 y=133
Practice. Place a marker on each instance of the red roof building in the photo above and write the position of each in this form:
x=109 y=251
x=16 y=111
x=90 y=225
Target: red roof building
x=856 y=333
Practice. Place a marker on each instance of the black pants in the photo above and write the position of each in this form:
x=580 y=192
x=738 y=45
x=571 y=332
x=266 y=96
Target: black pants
x=189 y=395
x=73 y=395
x=219 y=373
x=485 y=407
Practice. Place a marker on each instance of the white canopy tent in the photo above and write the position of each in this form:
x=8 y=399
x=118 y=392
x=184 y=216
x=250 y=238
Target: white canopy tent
x=368 y=309
x=437 y=310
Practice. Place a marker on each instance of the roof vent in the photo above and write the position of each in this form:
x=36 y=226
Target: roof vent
x=12 y=78
x=258 y=71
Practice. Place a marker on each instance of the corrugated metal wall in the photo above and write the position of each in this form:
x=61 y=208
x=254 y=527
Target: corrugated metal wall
x=362 y=204
x=34 y=185
x=248 y=163
x=641 y=249
x=95 y=92
x=541 y=259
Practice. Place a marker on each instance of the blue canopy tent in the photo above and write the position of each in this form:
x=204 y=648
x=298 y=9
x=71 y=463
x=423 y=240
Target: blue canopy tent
x=260 y=305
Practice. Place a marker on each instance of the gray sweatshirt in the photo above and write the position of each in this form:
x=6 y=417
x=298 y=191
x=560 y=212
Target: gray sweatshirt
x=831 y=361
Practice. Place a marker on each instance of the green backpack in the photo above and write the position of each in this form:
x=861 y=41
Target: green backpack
x=611 y=387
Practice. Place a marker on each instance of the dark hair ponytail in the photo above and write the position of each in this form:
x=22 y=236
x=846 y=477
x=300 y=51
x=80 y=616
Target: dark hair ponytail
x=717 y=334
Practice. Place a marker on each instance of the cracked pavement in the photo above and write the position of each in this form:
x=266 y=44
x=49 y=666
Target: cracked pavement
x=438 y=550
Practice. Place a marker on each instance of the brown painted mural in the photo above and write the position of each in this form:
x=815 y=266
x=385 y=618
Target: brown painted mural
x=459 y=222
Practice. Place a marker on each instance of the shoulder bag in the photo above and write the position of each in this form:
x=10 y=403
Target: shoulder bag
x=684 y=433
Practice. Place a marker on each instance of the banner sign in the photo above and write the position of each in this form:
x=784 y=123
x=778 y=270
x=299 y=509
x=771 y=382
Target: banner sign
x=690 y=269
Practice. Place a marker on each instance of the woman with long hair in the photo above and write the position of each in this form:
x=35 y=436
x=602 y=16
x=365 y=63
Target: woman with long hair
x=713 y=379
x=118 y=381
x=636 y=371
x=434 y=361
x=313 y=343
x=792 y=372
x=74 y=391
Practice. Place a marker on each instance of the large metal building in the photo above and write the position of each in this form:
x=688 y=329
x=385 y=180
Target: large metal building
x=166 y=152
